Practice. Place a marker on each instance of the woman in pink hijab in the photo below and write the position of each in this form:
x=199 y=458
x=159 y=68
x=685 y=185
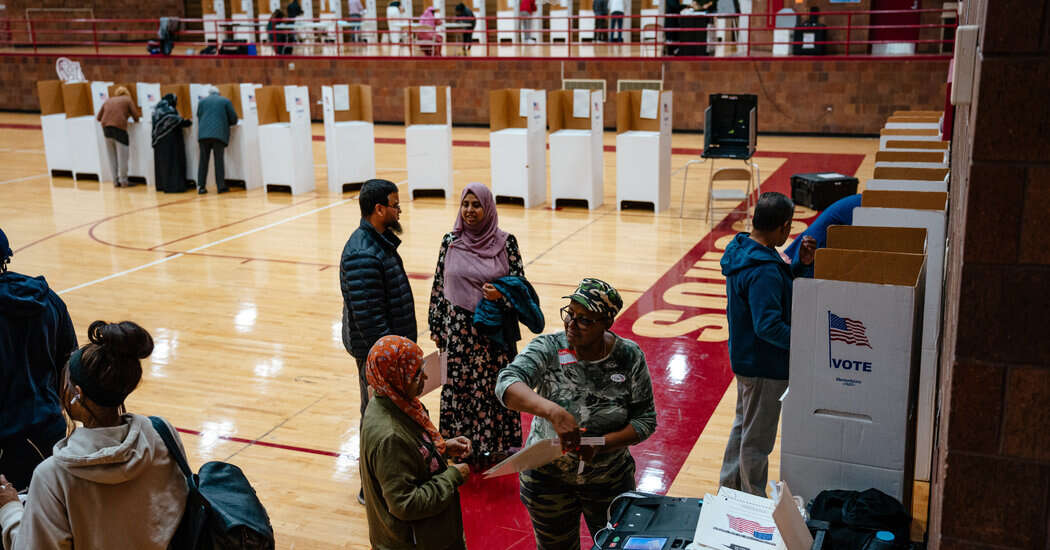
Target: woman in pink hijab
x=475 y=253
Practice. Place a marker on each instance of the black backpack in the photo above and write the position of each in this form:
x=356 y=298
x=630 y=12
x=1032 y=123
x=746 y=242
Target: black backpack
x=855 y=517
x=222 y=509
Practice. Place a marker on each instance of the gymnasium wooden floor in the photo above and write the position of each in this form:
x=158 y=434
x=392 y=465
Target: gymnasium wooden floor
x=241 y=294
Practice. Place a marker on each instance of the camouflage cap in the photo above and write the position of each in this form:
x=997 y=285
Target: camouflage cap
x=597 y=296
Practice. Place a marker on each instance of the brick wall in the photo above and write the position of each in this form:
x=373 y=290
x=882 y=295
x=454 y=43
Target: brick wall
x=849 y=97
x=992 y=484
x=15 y=11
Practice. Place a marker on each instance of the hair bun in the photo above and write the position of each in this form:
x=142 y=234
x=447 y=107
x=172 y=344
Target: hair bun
x=123 y=339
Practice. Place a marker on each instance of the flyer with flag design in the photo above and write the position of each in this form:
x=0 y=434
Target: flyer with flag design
x=733 y=520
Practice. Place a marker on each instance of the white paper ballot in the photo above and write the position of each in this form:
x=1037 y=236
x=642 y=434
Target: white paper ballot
x=342 y=97
x=523 y=102
x=290 y=93
x=650 y=104
x=736 y=520
x=538 y=454
x=581 y=103
x=428 y=99
x=435 y=366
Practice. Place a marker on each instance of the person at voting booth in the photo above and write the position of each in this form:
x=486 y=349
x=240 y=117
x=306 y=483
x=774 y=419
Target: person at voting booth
x=215 y=115
x=111 y=483
x=38 y=337
x=169 y=149
x=839 y=213
x=472 y=256
x=114 y=116
x=758 y=286
x=411 y=496
x=588 y=381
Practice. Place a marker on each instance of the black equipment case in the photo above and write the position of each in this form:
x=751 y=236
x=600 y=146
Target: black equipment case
x=818 y=191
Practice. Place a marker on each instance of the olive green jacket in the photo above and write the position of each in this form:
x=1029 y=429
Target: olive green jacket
x=410 y=491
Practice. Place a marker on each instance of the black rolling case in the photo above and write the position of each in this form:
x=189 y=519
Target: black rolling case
x=818 y=191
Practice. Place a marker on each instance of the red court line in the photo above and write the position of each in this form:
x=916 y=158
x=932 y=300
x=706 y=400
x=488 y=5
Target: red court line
x=263 y=443
x=224 y=226
x=13 y=126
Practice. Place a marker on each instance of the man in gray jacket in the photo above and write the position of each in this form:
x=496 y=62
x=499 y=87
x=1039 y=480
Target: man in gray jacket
x=215 y=115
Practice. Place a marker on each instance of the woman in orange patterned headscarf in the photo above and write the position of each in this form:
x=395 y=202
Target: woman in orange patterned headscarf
x=411 y=494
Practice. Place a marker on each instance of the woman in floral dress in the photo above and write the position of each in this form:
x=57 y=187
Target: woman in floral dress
x=475 y=253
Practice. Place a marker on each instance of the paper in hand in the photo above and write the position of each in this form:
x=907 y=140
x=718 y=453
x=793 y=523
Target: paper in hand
x=435 y=366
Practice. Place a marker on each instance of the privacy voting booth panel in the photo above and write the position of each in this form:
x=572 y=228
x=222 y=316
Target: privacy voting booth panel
x=53 y=126
x=517 y=144
x=349 y=135
x=925 y=210
x=575 y=118
x=848 y=418
x=731 y=126
x=428 y=139
x=285 y=143
x=643 y=148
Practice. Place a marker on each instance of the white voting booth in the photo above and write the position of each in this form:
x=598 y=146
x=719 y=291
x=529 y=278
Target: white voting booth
x=643 y=148
x=242 y=160
x=506 y=24
x=140 y=134
x=575 y=118
x=85 y=133
x=518 y=144
x=909 y=178
x=213 y=11
x=243 y=12
x=193 y=154
x=650 y=21
x=560 y=21
x=910 y=159
x=907 y=134
x=428 y=139
x=926 y=210
x=848 y=417
x=285 y=142
x=349 y=135
x=57 y=151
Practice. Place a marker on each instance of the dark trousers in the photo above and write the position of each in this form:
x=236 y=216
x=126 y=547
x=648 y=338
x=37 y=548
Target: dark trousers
x=600 y=24
x=207 y=146
x=20 y=454
x=616 y=23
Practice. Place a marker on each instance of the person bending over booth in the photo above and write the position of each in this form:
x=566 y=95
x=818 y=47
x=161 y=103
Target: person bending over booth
x=111 y=483
x=113 y=116
x=411 y=495
x=586 y=380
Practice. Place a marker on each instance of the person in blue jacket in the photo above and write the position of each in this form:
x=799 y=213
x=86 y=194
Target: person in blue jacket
x=36 y=338
x=839 y=213
x=758 y=286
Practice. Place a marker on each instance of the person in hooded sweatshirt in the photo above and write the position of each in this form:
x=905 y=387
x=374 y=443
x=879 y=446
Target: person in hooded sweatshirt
x=758 y=286
x=111 y=483
x=36 y=337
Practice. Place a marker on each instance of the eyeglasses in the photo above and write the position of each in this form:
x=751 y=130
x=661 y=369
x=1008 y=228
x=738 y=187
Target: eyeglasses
x=396 y=206
x=567 y=316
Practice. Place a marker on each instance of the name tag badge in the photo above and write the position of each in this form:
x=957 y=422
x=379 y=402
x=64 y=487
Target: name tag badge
x=566 y=357
x=618 y=378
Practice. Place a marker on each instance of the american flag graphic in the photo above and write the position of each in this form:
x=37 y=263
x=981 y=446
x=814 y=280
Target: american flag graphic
x=298 y=101
x=750 y=527
x=842 y=329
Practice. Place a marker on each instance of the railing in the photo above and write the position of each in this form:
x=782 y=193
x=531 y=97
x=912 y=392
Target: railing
x=840 y=33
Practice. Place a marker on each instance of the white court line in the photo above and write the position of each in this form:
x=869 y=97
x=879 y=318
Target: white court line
x=27 y=178
x=211 y=244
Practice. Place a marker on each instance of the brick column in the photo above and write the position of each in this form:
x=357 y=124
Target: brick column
x=992 y=479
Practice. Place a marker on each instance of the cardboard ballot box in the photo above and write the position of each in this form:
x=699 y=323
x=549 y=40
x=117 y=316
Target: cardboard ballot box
x=849 y=415
x=643 y=148
x=53 y=125
x=285 y=142
x=927 y=210
x=349 y=135
x=428 y=138
x=575 y=118
x=518 y=144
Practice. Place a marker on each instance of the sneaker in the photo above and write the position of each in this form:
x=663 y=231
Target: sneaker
x=361 y=497
x=201 y=190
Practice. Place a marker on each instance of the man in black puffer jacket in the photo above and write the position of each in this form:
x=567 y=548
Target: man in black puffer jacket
x=377 y=299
